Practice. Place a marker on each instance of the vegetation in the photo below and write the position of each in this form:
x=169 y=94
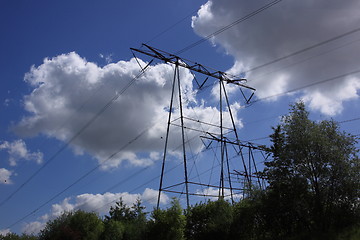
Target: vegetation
x=167 y=224
x=73 y=225
x=313 y=192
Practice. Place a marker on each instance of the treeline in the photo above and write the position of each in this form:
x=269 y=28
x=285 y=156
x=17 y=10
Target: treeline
x=313 y=193
x=247 y=219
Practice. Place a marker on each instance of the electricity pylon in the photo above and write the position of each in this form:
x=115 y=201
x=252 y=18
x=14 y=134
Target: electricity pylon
x=226 y=136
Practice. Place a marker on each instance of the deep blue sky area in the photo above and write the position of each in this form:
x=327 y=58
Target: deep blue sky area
x=77 y=53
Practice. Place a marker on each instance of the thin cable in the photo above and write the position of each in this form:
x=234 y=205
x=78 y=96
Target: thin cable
x=81 y=178
x=141 y=185
x=266 y=74
x=304 y=50
x=240 y=20
x=171 y=27
x=350 y=120
x=306 y=86
x=95 y=168
x=340 y=122
x=102 y=110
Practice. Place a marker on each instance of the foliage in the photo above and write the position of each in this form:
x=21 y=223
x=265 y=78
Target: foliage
x=73 y=225
x=114 y=230
x=167 y=224
x=352 y=233
x=314 y=181
x=133 y=219
x=313 y=193
x=211 y=220
x=13 y=236
x=248 y=222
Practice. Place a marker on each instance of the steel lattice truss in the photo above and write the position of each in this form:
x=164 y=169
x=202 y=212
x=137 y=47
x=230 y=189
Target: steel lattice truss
x=225 y=136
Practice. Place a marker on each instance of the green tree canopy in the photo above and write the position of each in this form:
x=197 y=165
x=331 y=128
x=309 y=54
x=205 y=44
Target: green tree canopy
x=132 y=218
x=167 y=224
x=314 y=180
x=114 y=230
x=73 y=226
x=211 y=220
x=13 y=236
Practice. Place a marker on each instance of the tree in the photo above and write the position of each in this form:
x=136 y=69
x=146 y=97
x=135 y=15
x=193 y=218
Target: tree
x=167 y=224
x=73 y=226
x=248 y=222
x=314 y=177
x=114 y=230
x=13 y=236
x=211 y=220
x=133 y=219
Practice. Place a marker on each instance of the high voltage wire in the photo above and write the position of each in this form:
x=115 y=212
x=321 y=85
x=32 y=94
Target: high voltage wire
x=143 y=184
x=307 y=86
x=275 y=60
x=151 y=180
x=112 y=187
x=266 y=74
x=91 y=171
x=340 y=122
x=304 y=50
x=111 y=156
x=266 y=64
x=240 y=20
x=82 y=177
x=171 y=27
x=128 y=177
x=183 y=50
x=298 y=52
x=350 y=120
x=91 y=120
x=103 y=109
x=61 y=149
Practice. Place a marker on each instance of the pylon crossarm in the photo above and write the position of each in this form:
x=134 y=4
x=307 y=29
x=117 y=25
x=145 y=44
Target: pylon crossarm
x=171 y=58
x=192 y=194
x=226 y=140
x=209 y=185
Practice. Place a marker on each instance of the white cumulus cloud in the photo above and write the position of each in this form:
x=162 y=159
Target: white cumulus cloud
x=33 y=228
x=5 y=175
x=99 y=203
x=151 y=196
x=286 y=28
x=4 y=232
x=17 y=151
x=69 y=92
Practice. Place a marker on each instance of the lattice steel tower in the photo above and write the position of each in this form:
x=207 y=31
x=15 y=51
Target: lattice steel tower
x=226 y=136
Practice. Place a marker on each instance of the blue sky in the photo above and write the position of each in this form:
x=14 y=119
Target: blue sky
x=62 y=61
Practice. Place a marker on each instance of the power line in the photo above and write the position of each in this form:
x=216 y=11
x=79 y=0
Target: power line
x=171 y=27
x=92 y=119
x=350 y=120
x=306 y=86
x=304 y=50
x=128 y=177
x=91 y=171
x=67 y=143
x=129 y=84
x=240 y=20
x=82 y=177
x=141 y=185
x=340 y=122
